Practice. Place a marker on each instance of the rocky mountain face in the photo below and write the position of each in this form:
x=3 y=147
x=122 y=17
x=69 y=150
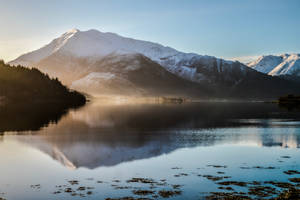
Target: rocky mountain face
x=108 y=64
x=285 y=64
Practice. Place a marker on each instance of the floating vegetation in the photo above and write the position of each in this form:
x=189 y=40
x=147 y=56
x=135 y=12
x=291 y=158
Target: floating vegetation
x=122 y=187
x=181 y=174
x=143 y=192
x=141 y=180
x=260 y=167
x=169 y=193
x=291 y=193
x=291 y=172
x=225 y=188
x=236 y=183
x=68 y=190
x=217 y=166
x=176 y=186
x=176 y=168
x=78 y=191
x=215 y=178
x=81 y=188
x=285 y=157
x=255 y=183
x=73 y=182
x=294 y=180
x=262 y=191
x=227 y=196
x=259 y=192
x=245 y=167
x=257 y=167
x=279 y=184
x=37 y=186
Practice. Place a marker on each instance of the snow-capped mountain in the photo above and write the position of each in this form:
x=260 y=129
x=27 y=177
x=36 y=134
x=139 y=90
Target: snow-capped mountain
x=95 y=45
x=106 y=63
x=285 y=64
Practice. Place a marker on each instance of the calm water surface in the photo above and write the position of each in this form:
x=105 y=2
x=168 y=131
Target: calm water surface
x=102 y=146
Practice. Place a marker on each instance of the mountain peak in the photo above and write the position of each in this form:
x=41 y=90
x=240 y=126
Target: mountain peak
x=73 y=30
x=288 y=63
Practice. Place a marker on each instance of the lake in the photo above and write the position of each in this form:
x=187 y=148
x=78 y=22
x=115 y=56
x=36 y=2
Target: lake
x=115 y=149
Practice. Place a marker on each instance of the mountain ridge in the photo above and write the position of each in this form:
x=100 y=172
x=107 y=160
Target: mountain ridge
x=110 y=63
x=94 y=44
x=276 y=65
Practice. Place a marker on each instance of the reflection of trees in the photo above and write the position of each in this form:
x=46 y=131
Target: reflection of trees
x=26 y=117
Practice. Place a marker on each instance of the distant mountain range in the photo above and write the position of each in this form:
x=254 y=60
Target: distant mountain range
x=108 y=64
x=285 y=64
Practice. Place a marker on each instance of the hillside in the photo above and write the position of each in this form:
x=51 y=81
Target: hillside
x=101 y=63
x=134 y=74
x=20 y=84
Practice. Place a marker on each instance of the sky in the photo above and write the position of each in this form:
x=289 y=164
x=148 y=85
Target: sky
x=241 y=29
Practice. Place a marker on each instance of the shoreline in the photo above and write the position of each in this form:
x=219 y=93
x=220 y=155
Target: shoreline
x=153 y=99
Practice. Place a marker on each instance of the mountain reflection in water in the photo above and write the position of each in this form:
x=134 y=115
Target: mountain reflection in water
x=102 y=134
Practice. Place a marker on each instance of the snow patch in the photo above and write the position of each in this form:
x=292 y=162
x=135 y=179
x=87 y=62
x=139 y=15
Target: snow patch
x=92 y=79
x=278 y=64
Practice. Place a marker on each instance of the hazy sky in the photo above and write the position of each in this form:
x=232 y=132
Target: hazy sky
x=223 y=28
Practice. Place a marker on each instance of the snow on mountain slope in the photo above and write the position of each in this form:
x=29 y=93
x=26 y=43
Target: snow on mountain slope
x=31 y=58
x=285 y=64
x=106 y=63
x=104 y=83
x=93 y=45
x=131 y=74
x=265 y=64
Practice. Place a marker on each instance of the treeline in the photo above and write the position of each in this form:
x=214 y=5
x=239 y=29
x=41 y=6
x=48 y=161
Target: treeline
x=20 y=84
x=290 y=99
